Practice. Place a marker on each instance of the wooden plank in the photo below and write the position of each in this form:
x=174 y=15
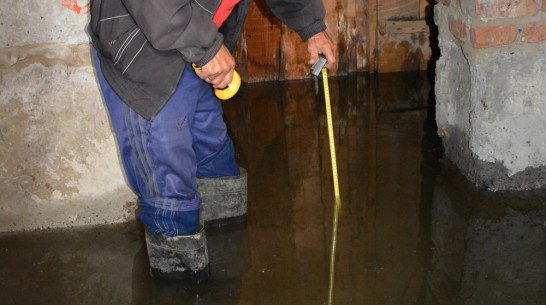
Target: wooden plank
x=372 y=35
x=258 y=51
x=403 y=51
x=405 y=27
x=398 y=9
x=361 y=35
x=294 y=56
x=347 y=38
x=423 y=7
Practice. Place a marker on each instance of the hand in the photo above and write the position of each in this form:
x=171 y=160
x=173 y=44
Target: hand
x=219 y=70
x=318 y=44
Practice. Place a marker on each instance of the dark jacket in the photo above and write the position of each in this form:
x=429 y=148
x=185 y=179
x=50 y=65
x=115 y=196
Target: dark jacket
x=144 y=45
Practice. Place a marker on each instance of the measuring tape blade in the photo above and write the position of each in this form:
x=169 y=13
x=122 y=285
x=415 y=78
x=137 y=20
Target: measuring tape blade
x=337 y=205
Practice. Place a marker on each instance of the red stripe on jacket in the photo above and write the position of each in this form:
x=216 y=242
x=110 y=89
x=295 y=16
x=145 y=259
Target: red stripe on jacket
x=225 y=8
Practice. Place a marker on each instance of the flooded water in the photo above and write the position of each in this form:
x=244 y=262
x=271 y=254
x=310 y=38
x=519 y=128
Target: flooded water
x=411 y=231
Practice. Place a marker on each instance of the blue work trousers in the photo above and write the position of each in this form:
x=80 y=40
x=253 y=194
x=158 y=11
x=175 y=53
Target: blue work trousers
x=162 y=157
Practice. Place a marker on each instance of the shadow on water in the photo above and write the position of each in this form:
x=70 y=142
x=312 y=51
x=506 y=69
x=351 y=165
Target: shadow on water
x=412 y=230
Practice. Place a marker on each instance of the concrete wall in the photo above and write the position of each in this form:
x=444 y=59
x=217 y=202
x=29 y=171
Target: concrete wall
x=59 y=163
x=490 y=90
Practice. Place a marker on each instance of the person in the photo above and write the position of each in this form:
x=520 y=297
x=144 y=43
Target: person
x=168 y=124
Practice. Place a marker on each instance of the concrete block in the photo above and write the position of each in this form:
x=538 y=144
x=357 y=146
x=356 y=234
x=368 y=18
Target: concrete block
x=59 y=162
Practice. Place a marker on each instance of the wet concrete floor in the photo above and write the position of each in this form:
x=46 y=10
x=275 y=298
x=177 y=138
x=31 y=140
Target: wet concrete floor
x=412 y=230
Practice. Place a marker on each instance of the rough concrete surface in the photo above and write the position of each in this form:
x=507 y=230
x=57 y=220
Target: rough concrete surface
x=59 y=163
x=508 y=114
x=35 y=21
x=491 y=111
x=453 y=94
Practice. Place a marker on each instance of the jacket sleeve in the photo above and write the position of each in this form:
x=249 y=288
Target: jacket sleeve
x=306 y=17
x=180 y=25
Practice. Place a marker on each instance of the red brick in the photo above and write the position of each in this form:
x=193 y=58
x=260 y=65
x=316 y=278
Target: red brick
x=534 y=32
x=457 y=28
x=492 y=36
x=544 y=5
x=505 y=8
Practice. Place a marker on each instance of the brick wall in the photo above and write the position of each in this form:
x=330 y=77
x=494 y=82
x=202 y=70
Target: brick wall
x=495 y=23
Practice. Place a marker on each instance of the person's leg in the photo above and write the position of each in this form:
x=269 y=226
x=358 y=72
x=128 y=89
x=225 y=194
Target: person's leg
x=222 y=185
x=213 y=148
x=160 y=165
x=158 y=158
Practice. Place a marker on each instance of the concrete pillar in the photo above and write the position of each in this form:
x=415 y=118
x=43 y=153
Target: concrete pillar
x=59 y=162
x=490 y=90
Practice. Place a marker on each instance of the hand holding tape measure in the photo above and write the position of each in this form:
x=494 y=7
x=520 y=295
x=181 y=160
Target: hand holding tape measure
x=220 y=73
x=228 y=92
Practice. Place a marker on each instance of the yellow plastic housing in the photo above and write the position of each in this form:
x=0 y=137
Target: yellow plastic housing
x=231 y=89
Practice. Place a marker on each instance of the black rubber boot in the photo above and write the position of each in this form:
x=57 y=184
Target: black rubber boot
x=223 y=199
x=183 y=257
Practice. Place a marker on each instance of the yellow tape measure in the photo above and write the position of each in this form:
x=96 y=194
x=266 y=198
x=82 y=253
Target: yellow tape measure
x=330 y=131
x=317 y=67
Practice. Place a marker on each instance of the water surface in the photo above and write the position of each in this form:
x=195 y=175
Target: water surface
x=412 y=230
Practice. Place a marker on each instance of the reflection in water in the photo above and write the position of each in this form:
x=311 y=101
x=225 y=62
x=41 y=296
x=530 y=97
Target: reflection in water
x=412 y=230
x=489 y=248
